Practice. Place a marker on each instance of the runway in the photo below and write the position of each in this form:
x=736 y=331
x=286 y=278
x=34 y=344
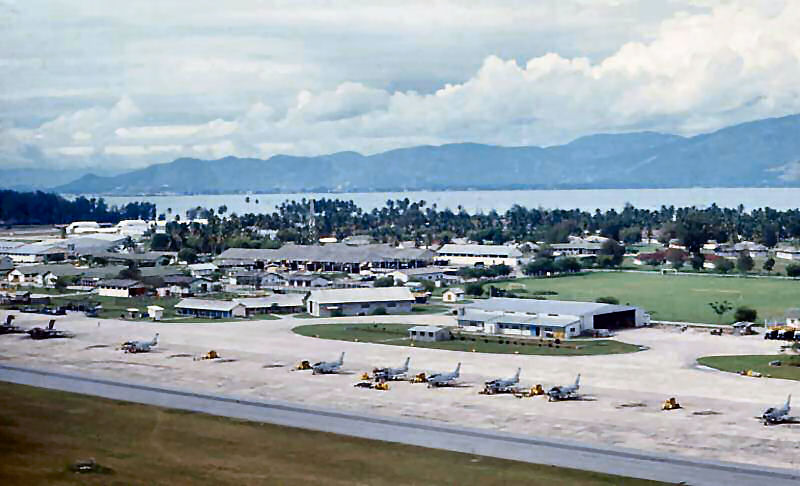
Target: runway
x=563 y=453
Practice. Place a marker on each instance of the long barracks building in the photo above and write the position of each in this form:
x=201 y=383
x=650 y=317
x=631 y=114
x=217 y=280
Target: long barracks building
x=333 y=257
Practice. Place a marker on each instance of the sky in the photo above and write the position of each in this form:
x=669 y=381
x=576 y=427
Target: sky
x=121 y=84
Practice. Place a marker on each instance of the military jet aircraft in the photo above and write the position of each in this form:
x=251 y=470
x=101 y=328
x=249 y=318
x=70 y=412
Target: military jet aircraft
x=444 y=379
x=502 y=385
x=8 y=328
x=139 y=346
x=776 y=415
x=564 y=392
x=47 y=332
x=389 y=374
x=327 y=367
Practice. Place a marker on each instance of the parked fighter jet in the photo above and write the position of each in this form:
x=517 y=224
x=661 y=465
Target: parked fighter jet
x=502 y=385
x=564 y=392
x=389 y=374
x=776 y=415
x=325 y=367
x=47 y=332
x=444 y=379
x=139 y=346
x=8 y=328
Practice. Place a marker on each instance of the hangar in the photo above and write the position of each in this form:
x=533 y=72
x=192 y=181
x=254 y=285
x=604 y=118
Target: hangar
x=547 y=318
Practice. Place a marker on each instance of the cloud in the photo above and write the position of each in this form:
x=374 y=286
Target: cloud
x=699 y=69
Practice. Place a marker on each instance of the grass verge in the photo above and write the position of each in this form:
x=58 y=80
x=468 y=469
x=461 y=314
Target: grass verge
x=147 y=445
x=789 y=369
x=397 y=335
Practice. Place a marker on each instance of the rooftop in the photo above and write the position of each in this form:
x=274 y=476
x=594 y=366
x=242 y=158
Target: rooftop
x=332 y=252
x=212 y=305
x=374 y=294
x=481 y=250
x=534 y=306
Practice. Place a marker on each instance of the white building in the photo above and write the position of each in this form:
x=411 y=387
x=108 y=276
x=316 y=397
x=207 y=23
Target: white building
x=473 y=255
x=155 y=312
x=202 y=269
x=578 y=248
x=453 y=295
x=359 y=301
x=788 y=253
x=546 y=318
x=428 y=333
x=215 y=309
x=120 y=288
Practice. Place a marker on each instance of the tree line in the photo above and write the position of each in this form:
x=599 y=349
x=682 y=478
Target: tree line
x=47 y=208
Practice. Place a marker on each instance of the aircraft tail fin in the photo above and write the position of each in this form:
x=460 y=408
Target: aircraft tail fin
x=458 y=369
x=578 y=380
x=155 y=340
x=52 y=323
x=405 y=366
x=341 y=358
x=788 y=401
x=516 y=376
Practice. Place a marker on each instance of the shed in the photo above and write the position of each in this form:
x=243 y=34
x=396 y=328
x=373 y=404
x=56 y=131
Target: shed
x=429 y=333
x=155 y=312
x=453 y=295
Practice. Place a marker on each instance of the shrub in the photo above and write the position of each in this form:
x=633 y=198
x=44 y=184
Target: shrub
x=607 y=300
x=744 y=313
x=379 y=311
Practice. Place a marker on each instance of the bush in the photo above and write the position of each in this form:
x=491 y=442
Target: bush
x=793 y=270
x=187 y=255
x=379 y=311
x=384 y=282
x=745 y=314
x=337 y=313
x=474 y=289
x=607 y=300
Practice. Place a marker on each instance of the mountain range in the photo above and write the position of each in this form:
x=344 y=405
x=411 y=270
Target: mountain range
x=763 y=153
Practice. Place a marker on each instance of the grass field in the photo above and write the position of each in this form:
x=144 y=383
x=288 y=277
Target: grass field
x=759 y=363
x=670 y=297
x=147 y=445
x=397 y=335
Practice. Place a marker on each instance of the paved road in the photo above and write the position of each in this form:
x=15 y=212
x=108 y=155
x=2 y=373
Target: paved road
x=428 y=434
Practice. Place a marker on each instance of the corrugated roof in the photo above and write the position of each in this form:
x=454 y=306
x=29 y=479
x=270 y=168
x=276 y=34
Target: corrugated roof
x=332 y=252
x=481 y=250
x=212 y=305
x=374 y=294
x=279 y=300
x=560 y=307
x=119 y=282
x=426 y=328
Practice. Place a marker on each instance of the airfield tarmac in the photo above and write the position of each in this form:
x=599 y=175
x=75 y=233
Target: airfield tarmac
x=258 y=359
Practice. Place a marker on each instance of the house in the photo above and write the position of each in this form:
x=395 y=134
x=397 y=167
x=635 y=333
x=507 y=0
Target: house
x=788 y=253
x=429 y=333
x=202 y=269
x=155 y=312
x=256 y=279
x=364 y=301
x=578 y=248
x=34 y=253
x=434 y=274
x=307 y=280
x=175 y=285
x=711 y=261
x=473 y=255
x=274 y=304
x=546 y=318
x=453 y=295
x=23 y=275
x=6 y=265
x=90 y=277
x=215 y=309
x=116 y=287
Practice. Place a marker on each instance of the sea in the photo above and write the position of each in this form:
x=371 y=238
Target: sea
x=485 y=201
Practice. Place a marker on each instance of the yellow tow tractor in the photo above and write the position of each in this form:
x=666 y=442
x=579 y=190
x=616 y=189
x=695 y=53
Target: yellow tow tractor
x=420 y=378
x=209 y=355
x=303 y=365
x=671 y=404
x=534 y=391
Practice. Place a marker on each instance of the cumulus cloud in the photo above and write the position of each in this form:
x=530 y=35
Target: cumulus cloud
x=696 y=71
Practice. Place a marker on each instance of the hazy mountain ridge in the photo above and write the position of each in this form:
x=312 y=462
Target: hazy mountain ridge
x=760 y=153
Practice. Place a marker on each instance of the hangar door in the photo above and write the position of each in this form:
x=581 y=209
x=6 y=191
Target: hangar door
x=615 y=320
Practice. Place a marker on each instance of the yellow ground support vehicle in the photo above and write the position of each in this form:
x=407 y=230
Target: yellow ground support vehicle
x=670 y=404
x=420 y=378
x=303 y=365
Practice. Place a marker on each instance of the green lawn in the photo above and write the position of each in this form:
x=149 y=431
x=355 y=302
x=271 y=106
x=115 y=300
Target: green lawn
x=789 y=369
x=397 y=335
x=669 y=297
x=145 y=445
x=429 y=308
